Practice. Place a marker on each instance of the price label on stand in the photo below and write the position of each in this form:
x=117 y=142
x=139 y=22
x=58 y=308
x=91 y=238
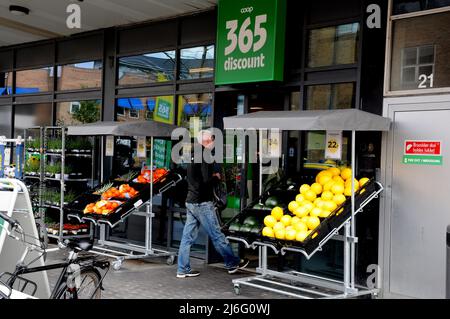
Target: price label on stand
x=141 y=146
x=333 y=145
x=109 y=151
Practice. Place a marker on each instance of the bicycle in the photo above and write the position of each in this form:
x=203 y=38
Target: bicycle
x=80 y=277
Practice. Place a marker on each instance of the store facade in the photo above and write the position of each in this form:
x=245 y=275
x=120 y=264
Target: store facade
x=414 y=240
x=165 y=71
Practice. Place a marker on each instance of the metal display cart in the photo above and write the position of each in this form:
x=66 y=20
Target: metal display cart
x=293 y=283
x=58 y=180
x=126 y=250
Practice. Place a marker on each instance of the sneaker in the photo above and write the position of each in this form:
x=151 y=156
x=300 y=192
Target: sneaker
x=192 y=273
x=242 y=264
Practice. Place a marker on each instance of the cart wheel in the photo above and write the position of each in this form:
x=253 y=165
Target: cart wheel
x=237 y=290
x=117 y=264
x=170 y=260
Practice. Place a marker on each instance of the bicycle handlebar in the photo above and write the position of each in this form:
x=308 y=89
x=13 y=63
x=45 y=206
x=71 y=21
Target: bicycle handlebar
x=12 y=222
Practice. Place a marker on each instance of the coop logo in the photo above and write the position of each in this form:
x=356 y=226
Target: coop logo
x=247 y=10
x=73 y=20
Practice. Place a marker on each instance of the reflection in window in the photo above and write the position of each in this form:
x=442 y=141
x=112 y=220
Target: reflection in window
x=195 y=110
x=295 y=101
x=407 y=6
x=315 y=150
x=330 y=96
x=77 y=76
x=5 y=83
x=147 y=68
x=197 y=63
x=156 y=108
x=5 y=121
x=417 y=67
x=29 y=115
x=34 y=81
x=78 y=112
x=333 y=45
x=419 y=58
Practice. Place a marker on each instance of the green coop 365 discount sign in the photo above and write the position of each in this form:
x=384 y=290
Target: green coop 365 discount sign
x=250 y=41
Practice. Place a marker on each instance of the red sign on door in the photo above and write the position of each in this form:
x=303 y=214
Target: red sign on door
x=422 y=148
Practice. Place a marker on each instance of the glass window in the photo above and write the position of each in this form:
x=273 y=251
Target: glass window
x=77 y=112
x=295 y=101
x=420 y=56
x=34 y=81
x=195 y=110
x=407 y=6
x=5 y=83
x=315 y=150
x=147 y=68
x=5 y=121
x=29 y=115
x=156 y=108
x=197 y=63
x=330 y=96
x=334 y=45
x=77 y=76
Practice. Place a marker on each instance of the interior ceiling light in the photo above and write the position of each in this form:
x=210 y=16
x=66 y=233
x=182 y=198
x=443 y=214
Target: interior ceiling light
x=19 y=10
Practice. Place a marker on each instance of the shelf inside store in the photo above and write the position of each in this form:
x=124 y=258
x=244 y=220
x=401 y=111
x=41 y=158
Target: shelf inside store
x=67 y=179
x=69 y=154
x=31 y=176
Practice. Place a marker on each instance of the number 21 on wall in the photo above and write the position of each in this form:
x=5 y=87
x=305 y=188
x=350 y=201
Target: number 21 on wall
x=423 y=79
x=246 y=37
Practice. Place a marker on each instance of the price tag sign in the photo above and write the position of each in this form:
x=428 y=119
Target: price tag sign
x=333 y=145
x=109 y=151
x=250 y=41
x=141 y=146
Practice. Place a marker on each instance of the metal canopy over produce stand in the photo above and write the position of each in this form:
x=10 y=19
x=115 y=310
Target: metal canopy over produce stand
x=127 y=250
x=303 y=285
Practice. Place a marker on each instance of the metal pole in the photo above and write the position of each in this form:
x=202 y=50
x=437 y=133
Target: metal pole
x=264 y=260
x=63 y=163
x=353 y=221
x=347 y=270
x=149 y=208
x=260 y=164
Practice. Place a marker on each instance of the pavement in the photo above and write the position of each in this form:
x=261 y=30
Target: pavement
x=154 y=279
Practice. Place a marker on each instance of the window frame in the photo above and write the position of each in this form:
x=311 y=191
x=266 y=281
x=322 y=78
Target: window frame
x=133 y=117
x=72 y=104
x=334 y=66
x=388 y=54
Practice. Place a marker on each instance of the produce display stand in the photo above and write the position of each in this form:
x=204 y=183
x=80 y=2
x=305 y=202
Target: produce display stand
x=293 y=283
x=60 y=179
x=126 y=250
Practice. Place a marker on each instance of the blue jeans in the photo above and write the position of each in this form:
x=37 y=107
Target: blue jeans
x=203 y=214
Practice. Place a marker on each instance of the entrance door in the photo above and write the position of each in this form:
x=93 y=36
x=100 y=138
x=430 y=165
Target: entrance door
x=417 y=209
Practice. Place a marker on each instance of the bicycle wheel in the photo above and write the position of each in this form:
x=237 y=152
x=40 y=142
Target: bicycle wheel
x=90 y=280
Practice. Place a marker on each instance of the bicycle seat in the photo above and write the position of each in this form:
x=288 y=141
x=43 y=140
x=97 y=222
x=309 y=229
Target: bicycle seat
x=81 y=244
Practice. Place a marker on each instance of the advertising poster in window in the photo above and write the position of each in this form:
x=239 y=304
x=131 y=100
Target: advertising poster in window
x=164 y=111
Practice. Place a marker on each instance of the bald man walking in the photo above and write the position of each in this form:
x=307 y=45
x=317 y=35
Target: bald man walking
x=200 y=210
